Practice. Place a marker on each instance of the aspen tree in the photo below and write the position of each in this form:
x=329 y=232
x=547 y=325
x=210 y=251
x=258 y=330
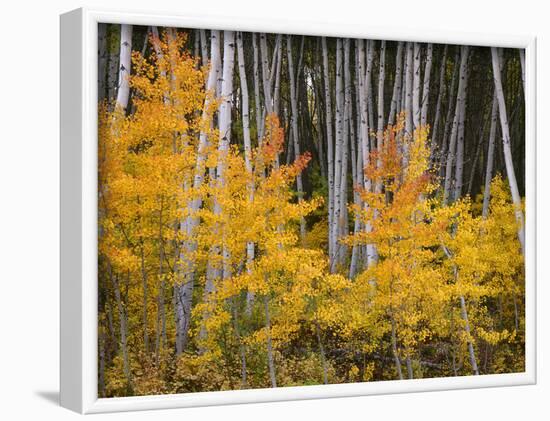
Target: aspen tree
x=490 y=157
x=426 y=86
x=330 y=149
x=409 y=110
x=397 y=85
x=294 y=123
x=440 y=94
x=416 y=86
x=505 y=131
x=123 y=92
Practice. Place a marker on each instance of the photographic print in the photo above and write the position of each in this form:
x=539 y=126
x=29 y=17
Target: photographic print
x=284 y=210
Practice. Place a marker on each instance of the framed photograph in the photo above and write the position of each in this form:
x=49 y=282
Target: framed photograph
x=266 y=210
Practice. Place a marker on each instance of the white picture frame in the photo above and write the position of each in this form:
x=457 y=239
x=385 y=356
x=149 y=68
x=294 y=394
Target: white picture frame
x=79 y=283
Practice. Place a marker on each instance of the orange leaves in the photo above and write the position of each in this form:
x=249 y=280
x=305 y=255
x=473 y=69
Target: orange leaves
x=385 y=165
x=273 y=140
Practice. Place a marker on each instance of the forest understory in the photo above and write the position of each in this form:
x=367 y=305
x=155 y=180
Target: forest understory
x=284 y=210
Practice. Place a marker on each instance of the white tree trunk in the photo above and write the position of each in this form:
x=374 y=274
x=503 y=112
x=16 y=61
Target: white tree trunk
x=358 y=176
x=277 y=88
x=270 y=358
x=471 y=352
x=224 y=125
x=338 y=152
x=250 y=248
x=409 y=92
x=516 y=198
x=522 y=63
x=266 y=74
x=440 y=94
x=257 y=100
x=227 y=101
x=450 y=112
x=416 y=86
x=454 y=134
x=460 y=142
x=330 y=151
x=396 y=94
x=365 y=149
x=196 y=203
x=204 y=47
x=380 y=129
x=403 y=104
x=294 y=126
x=368 y=83
x=426 y=86
x=343 y=230
x=490 y=158
x=125 y=65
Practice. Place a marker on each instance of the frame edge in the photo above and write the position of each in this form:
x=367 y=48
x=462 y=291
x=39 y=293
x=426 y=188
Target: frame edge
x=71 y=130
x=77 y=142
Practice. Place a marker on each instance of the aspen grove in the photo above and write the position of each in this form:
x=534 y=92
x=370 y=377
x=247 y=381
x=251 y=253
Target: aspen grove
x=284 y=210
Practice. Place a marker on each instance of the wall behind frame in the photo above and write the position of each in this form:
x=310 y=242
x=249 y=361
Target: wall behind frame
x=29 y=223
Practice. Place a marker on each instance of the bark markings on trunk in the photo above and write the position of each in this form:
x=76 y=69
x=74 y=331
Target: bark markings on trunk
x=505 y=131
x=123 y=93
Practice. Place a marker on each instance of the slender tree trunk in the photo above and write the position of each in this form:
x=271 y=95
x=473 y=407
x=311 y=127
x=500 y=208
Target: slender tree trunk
x=123 y=327
x=365 y=149
x=145 y=316
x=225 y=120
x=380 y=130
x=160 y=338
x=338 y=153
x=454 y=134
x=343 y=204
x=184 y=291
x=490 y=157
x=359 y=175
x=277 y=88
x=409 y=111
x=403 y=104
x=112 y=72
x=450 y=112
x=416 y=86
x=257 y=100
x=440 y=94
x=294 y=126
x=426 y=86
x=364 y=134
x=266 y=74
x=473 y=170
x=330 y=151
x=460 y=142
x=459 y=112
x=516 y=199
x=394 y=350
x=397 y=85
x=204 y=47
x=102 y=62
x=123 y=92
x=522 y=63
x=270 y=358
x=250 y=247
x=471 y=352
x=224 y=128
x=369 y=46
